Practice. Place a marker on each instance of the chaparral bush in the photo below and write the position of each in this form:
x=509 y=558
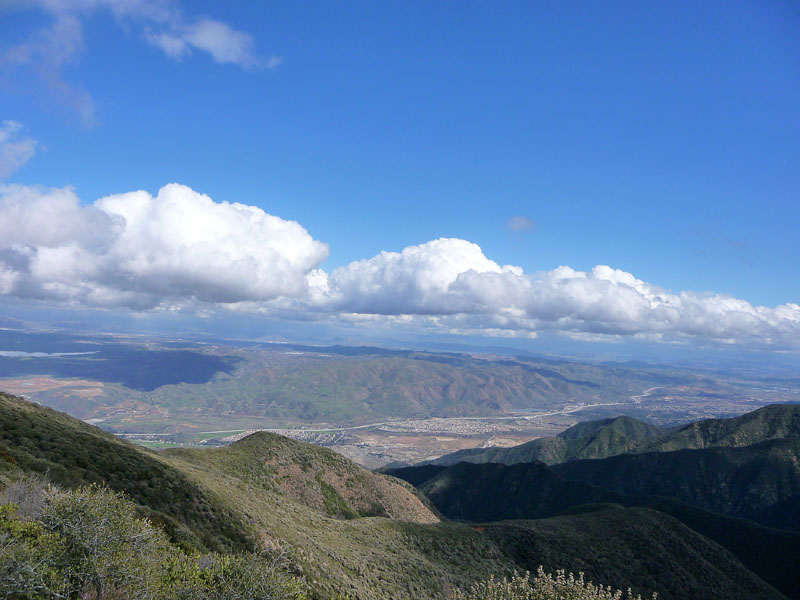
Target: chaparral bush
x=90 y=543
x=544 y=586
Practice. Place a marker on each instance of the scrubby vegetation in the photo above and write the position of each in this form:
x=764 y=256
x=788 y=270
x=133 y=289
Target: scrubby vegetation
x=91 y=543
x=544 y=586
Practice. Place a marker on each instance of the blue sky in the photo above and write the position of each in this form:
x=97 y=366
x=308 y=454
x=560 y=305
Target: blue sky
x=661 y=139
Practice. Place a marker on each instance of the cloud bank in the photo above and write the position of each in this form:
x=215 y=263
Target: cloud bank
x=180 y=250
x=49 y=49
x=138 y=251
x=453 y=280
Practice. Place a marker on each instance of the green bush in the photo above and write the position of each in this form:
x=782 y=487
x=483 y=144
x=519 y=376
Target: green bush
x=249 y=576
x=542 y=587
x=30 y=559
x=91 y=543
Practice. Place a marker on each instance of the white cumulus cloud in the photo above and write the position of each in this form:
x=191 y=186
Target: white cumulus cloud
x=141 y=251
x=181 y=250
x=419 y=280
x=451 y=285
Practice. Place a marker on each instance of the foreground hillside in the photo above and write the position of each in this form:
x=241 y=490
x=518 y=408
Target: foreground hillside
x=70 y=453
x=266 y=491
x=315 y=477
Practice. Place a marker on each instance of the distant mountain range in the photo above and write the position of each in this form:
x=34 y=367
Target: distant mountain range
x=184 y=380
x=346 y=385
x=371 y=536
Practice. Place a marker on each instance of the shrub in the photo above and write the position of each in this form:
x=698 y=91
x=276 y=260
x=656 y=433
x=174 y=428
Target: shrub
x=90 y=543
x=30 y=559
x=249 y=576
x=105 y=545
x=542 y=587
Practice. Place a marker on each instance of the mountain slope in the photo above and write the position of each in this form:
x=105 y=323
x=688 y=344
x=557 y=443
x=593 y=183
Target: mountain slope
x=316 y=477
x=620 y=435
x=408 y=384
x=772 y=554
x=291 y=382
x=776 y=421
x=470 y=492
x=739 y=482
x=590 y=439
x=71 y=453
x=377 y=558
x=782 y=515
x=652 y=551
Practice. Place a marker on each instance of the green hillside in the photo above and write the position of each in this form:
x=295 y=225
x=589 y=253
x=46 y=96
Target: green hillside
x=469 y=492
x=609 y=437
x=740 y=482
x=71 y=453
x=650 y=551
x=280 y=494
x=776 y=421
x=783 y=515
x=772 y=554
x=338 y=384
x=590 y=439
x=313 y=476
